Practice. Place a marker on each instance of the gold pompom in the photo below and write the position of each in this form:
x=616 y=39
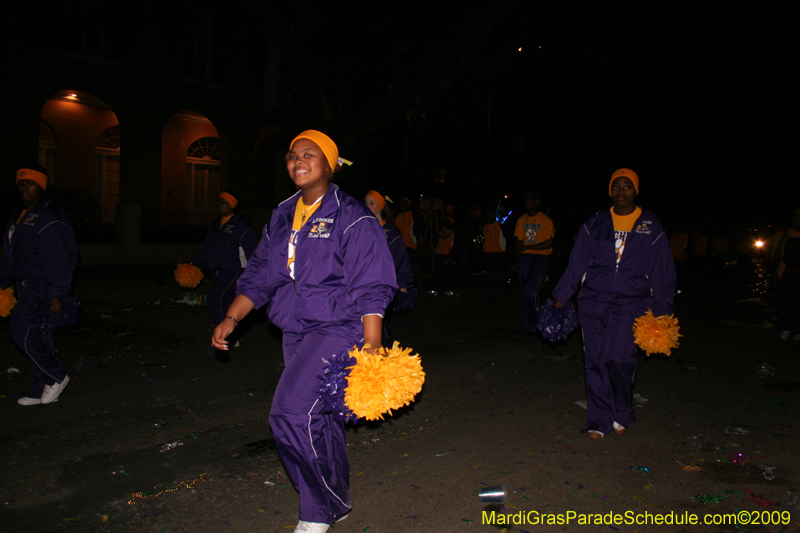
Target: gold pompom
x=7 y=301
x=382 y=382
x=656 y=335
x=188 y=276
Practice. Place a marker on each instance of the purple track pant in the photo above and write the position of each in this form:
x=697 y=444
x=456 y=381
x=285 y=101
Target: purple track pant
x=532 y=269
x=37 y=347
x=609 y=356
x=310 y=443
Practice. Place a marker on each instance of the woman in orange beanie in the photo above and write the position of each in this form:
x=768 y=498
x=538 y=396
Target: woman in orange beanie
x=324 y=269
x=623 y=261
x=227 y=249
x=40 y=256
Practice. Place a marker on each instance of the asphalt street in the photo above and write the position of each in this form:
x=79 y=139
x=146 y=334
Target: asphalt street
x=154 y=434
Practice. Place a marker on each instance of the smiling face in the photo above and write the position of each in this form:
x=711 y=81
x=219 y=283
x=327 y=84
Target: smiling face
x=623 y=194
x=308 y=168
x=30 y=192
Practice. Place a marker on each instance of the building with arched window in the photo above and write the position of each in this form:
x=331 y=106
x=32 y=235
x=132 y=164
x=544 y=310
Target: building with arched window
x=192 y=123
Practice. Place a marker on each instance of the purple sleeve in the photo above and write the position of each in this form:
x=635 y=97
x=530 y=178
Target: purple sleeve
x=60 y=253
x=579 y=260
x=368 y=266
x=661 y=272
x=252 y=283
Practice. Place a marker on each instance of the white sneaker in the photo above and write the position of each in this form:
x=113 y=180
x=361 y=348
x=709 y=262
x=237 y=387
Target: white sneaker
x=31 y=401
x=51 y=392
x=594 y=434
x=310 y=527
x=236 y=344
x=785 y=335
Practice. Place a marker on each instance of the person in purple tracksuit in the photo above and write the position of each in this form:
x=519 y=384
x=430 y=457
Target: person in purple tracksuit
x=40 y=257
x=227 y=249
x=324 y=268
x=623 y=259
x=376 y=203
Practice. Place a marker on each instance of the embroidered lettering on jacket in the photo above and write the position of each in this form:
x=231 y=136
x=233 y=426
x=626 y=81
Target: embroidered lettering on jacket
x=30 y=220
x=321 y=228
x=228 y=228
x=645 y=227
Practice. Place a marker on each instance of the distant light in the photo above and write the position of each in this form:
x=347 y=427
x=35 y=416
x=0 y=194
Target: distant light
x=506 y=196
x=759 y=244
x=520 y=49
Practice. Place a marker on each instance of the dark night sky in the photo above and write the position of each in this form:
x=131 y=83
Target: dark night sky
x=695 y=101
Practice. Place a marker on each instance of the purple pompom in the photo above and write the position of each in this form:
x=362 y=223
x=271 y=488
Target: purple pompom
x=334 y=382
x=47 y=321
x=556 y=323
x=404 y=301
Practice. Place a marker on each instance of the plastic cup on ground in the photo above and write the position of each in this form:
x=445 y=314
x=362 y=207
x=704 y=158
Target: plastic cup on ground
x=496 y=494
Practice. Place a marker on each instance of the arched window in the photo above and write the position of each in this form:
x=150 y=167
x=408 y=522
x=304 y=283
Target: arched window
x=202 y=172
x=107 y=148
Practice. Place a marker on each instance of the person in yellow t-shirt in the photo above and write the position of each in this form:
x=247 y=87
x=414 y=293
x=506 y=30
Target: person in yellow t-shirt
x=535 y=234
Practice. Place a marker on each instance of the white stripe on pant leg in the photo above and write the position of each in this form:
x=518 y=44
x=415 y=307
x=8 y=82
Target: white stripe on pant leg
x=311 y=441
x=25 y=344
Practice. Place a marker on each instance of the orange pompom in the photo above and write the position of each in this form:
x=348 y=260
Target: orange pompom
x=7 y=301
x=379 y=383
x=656 y=335
x=188 y=276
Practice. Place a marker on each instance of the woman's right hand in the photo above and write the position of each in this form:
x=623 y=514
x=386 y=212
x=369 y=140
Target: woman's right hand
x=221 y=333
x=239 y=309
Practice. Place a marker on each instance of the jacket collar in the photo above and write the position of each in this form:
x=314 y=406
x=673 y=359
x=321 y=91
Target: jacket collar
x=330 y=202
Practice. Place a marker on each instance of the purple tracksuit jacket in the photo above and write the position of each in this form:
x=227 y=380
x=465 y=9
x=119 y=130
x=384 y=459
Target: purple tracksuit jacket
x=40 y=257
x=225 y=252
x=221 y=248
x=343 y=267
x=612 y=296
x=343 y=271
x=41 y=247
